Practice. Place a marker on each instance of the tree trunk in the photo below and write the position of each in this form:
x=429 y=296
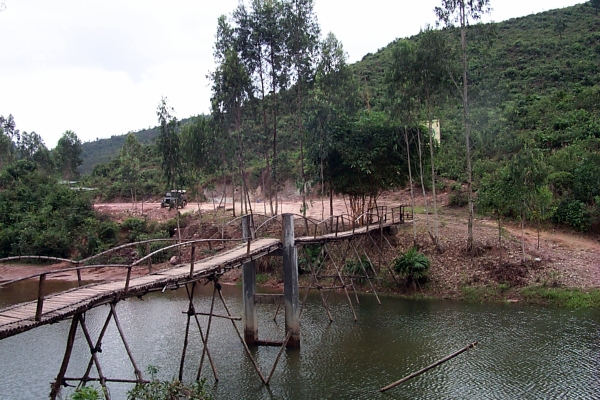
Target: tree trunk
x=410 y=180
x=421 y=174
x=436 y=233
x=467 y=128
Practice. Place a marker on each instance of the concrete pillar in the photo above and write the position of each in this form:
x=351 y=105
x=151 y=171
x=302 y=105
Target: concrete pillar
x=249 y=288
x=290 y=282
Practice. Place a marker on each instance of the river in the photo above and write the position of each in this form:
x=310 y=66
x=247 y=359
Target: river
x=524 y=352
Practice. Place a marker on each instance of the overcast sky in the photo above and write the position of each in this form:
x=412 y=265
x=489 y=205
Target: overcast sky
x=100 y=67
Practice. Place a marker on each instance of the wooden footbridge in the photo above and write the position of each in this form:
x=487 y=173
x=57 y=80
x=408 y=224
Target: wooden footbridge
x=236 y=253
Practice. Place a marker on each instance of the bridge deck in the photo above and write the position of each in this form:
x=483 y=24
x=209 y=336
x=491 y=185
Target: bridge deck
x=21 y=317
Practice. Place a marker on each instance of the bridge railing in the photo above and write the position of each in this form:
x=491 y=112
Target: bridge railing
x=79 y=266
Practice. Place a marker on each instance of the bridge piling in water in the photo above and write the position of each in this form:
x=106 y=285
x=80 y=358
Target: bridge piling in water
x=249 y=289
x=290 y=282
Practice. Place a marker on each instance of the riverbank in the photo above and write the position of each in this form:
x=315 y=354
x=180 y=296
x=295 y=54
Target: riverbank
x=562 y=268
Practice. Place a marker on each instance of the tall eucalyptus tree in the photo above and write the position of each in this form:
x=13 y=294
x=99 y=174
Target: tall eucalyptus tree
x=303 y=39
x=461 y=13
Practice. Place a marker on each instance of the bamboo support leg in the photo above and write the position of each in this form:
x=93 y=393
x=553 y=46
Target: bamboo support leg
x=345 y=290
x=212 y=307
x=287 y=338
x=98 y=347
x=246 y=349
x=65 y=363
x=138 y=372
x=366 y=273
x=187 y=331
x=95 y=358
x=193 y=311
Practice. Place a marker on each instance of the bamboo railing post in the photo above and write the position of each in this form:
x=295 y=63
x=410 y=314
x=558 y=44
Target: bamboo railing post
x=79 y=283
x=127 y=279
x=40 y=299
x=149 y=258
x=192 y=256
x=65 y=362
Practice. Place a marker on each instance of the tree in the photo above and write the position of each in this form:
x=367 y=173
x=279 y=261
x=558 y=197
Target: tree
x=231 y=92
x=461 y=12
x=129 y=160
x=596 y=5
x=67 y=155
x=168 y=143
x=303 y=30
x=431 y=63
x=9 y=135
x=333 y=96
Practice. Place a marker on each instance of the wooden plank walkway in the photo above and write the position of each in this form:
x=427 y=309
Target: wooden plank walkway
x=21 y=317
x=56 y=307
x=333 y=237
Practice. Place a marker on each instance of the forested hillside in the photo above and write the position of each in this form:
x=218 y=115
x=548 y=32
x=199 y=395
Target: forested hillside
x=534 y=91
x=103 y=150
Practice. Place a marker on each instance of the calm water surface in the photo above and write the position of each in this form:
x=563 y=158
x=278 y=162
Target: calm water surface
x=524 y=352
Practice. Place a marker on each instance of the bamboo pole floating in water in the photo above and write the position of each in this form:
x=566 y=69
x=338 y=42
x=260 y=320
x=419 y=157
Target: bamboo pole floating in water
x=435 y=364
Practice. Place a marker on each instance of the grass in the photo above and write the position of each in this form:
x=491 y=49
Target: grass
x=559 y=297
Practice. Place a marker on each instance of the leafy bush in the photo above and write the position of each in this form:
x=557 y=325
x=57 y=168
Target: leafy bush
x=167 y=390
x=574 y=213
x=412 y=265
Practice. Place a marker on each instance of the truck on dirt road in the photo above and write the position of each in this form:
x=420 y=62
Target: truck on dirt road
x=174 y=199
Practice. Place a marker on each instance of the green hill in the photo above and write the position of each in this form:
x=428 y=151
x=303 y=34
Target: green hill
x=103 y=150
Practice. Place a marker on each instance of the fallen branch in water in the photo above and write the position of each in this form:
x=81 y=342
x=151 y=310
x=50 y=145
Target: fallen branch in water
x=435 y=364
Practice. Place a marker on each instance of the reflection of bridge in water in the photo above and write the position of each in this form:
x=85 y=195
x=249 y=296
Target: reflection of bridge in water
x=315 y=238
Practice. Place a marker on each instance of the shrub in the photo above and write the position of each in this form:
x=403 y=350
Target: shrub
x=574 y=213
x=174 y=389
x=412 y=265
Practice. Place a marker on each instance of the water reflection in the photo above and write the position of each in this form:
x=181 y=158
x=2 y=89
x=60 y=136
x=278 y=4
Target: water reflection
x=524 y=352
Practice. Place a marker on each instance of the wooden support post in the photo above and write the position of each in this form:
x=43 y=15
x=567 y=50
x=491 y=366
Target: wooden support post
x=40 y=299
x=290 y=282
x=65 y=363
x=283 y=345
x=249 y=290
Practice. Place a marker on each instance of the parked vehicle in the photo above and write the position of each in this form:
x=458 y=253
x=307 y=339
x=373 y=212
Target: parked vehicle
x=174 y=199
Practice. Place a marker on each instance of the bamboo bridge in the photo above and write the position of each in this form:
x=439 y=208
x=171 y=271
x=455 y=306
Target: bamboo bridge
x=299 y=232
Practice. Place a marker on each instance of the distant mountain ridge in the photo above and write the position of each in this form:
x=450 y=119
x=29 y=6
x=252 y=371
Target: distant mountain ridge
x=103 y=150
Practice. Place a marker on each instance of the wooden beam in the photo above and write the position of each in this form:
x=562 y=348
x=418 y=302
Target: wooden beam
x=275 y=299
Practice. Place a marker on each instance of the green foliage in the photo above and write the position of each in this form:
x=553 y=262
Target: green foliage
x=358 y=267
x=167 y=390
x=412 y=265
x=574 y=213
x=85 y=393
